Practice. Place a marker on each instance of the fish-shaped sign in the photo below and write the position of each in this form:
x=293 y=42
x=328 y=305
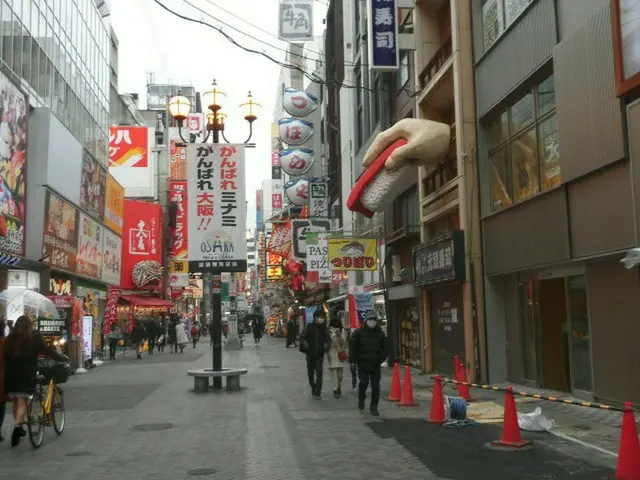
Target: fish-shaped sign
x=293 y=131
x=298 y=103
x=296 y=161
x=297 y=191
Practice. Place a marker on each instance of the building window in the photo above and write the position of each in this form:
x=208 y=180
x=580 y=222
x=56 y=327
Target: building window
x=523 y=148
x=402 y=77
x=497 y=15
x=360 y=124
x=356 y=20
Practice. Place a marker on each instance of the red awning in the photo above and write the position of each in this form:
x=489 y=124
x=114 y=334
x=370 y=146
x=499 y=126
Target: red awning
x=140 y=301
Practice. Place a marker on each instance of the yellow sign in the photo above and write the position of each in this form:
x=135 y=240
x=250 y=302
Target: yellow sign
x=274 y=273
x=178 y=266
x=114 y=205
x=353 y=254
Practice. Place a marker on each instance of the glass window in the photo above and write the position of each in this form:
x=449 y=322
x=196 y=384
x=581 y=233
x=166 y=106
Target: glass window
x=492 y=22
x=521 y=113
x=16 y=65
x=524 y=156
x=549 y=148
x=26 y=58
x=580 y=335
x=513 y=9
x=501 y=179
x=35 y=55
x=402 y=77
x=546 y=93
x=499 y=130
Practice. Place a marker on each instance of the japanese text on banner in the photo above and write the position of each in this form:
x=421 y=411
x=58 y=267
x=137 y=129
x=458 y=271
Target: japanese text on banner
x=229 y=185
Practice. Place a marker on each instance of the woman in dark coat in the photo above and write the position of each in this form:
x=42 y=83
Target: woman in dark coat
x=257 y=331
x=21 y=350
x=137 y=338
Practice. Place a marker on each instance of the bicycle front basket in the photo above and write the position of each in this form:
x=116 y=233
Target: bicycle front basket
x=59 y=373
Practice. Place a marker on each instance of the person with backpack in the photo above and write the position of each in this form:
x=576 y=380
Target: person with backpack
x=368 y=348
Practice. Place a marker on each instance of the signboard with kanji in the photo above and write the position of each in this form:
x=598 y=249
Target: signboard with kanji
x=295 y=20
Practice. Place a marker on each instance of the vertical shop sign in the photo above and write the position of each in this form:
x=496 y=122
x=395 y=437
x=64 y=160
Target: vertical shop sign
x=178 y=267
x=383 y=34
x=60 y=233
x=276 y=195
x=13 y=163
x=142 y=237
x=111 y=308
x=90 y=239
x=318 y=199
x=216 y=206
x=295 y=20
x=111 y=258
x=93 y=186
x=177 y=160
x=114 y=205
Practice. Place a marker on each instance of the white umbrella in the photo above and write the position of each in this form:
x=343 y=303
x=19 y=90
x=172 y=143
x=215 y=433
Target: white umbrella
x=41 y=305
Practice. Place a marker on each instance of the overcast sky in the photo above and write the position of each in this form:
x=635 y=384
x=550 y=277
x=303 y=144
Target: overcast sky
x=178 y=51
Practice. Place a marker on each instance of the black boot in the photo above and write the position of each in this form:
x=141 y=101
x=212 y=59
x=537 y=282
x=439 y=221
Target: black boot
x=374 y=410
x=16 y=435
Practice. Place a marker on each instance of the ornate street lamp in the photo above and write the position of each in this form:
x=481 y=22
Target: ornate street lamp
x=180 y=107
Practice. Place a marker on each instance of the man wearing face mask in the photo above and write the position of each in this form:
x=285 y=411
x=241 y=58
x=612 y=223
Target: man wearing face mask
x=368 y=349
x=317 y=341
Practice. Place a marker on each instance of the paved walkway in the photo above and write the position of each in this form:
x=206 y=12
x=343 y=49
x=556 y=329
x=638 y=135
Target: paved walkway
x=139 y=419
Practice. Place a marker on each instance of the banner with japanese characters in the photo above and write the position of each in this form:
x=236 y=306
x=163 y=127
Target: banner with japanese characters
x=217 y=211
x=177 y=156
x=280 y=240
x=318 y=199
x=295 y=20
x=384 y=55
x=90 y=238
x=111 y=258
x=60 y=233
x=141 y=238
x=111 y=308
x=178 y=274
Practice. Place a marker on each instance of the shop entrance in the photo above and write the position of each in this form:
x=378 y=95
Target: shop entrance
x=554 y=329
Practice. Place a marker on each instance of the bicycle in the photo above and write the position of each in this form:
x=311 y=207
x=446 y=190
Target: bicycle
x=46 y=402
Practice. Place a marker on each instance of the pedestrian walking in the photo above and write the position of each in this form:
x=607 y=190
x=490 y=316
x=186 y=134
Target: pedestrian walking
x=21 y=350
x=3 y=403
x=195 y=334
x=161 y=341
x=258 y=330
x=152 y=334
x=367 y=350
x=292 y=332
x=314 y=343
x=181 y=337
x=113 y=338
x=171 y=334
x=137 y=338
x=337 y=355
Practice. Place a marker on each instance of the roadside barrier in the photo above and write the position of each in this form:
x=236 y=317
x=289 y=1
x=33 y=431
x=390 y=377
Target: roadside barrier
x=407 y=390
x=628 y=464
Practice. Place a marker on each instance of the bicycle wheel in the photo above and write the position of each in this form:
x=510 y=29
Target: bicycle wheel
x=35 y=422
x=57 y=411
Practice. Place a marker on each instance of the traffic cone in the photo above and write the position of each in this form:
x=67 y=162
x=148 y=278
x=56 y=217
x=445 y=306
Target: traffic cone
x=463 y=390
x=628 y=467
x=511 y=438
x=456 y=370
x=396 y=391
x=407 y=390
x=436 y=415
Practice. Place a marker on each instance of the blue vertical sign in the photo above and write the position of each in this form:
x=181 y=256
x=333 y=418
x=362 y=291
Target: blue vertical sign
x=383 y=35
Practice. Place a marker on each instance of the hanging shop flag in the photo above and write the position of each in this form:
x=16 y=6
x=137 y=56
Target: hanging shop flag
x=276 y=195
x=178 y=265
x=217 y=208
x=297 y=161
x=111 y=308
x=298 y=103
x=114 y=205
x=111 y=258
x=90 y=240
x=141 y=242
x=295 y=21
x=300 y=228
x=280 y=240
x=383 y=35
x=297 y=191
x=128 y=146
x=318 y=199
x=353 y=254
x=177 y=156
x=294 y=132
x=60 y=233
x=13 y=157
x=195 y=125
x=318 y=268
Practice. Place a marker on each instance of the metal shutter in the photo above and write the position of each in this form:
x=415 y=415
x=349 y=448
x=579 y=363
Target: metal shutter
x=447 y=327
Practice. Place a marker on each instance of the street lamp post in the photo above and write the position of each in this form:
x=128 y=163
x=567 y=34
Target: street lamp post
x=179 y=108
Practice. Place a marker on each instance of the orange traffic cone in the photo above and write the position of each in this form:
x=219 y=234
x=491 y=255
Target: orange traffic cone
x=463 y=390
x=436 y=415
x=396 y=391
x=407 y=390
x=628 y=467
x=511 y=438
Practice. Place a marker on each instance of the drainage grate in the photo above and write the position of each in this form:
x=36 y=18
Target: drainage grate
x=79 y=453
x=269 y=367
x=151 y=427
x=201 y=472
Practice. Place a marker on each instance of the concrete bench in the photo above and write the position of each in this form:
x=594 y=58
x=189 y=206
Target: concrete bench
x=201 y=378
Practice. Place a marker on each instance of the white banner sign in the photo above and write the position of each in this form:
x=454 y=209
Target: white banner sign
x=318 y=199
x=318 y=256
x=217 y=208
x=295 y=20
x=300 y=228
x=111 y=258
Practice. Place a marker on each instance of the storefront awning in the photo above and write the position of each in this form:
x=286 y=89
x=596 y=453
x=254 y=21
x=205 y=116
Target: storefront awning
x=140 y=301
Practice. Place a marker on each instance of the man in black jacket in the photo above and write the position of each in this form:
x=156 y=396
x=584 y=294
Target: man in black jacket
x=317 y=341
x=367 y=350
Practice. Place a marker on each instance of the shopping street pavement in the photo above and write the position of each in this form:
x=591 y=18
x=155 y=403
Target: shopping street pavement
x=139 y=419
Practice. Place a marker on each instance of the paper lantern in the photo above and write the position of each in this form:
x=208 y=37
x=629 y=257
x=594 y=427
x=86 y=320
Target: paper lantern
x=293 y=131
x=296 y=161
x=298 y=103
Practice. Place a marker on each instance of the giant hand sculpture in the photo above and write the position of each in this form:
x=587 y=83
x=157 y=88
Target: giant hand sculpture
x=390 y=162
